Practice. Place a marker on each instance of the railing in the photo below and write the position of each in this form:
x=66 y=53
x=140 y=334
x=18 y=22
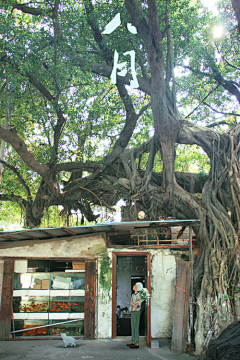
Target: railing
x=158 y=238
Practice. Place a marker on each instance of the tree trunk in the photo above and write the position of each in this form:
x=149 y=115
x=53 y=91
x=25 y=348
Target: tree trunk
x=7 y=121
x=236 y=8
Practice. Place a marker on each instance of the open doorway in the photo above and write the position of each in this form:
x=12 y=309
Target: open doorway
x=127 y=270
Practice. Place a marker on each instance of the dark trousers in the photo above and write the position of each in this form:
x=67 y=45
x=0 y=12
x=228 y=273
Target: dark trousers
x=135 y=319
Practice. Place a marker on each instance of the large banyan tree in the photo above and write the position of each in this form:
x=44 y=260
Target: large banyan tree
x=75 y=138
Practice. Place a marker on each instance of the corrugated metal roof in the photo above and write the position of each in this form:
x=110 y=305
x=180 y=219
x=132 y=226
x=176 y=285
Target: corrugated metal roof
x=113 y=227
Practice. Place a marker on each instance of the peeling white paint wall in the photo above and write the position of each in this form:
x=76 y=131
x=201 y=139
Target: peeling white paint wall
x=163 y=284
x=163 y=293
x=104 y=308
x=72 y=247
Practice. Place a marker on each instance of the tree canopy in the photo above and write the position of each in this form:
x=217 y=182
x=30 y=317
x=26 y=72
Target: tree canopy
x=74 y=139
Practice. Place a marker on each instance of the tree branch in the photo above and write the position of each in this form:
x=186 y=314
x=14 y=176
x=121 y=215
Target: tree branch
x=228 y=63
x=54 y=80
x=236 y=8
x=170 y=66
x=190 y=134
x=76 y=85
x=106 y=70
x=137 y=18
x=210 y=92
x=92 y=21
x=94 y=165
x=20 y=178
x=53 y=100
x=130 y=125
x=219 y=112
x=150 y=163
x=12 y=138
x=77 y=166
x=144 y=71
x=143 y=109
x=226 y=84
x=3 y=87
x=131 y=118
x=61 y=118
x=38 y=85
x=56 y=27
x=154 y=26
x=188 y=181
x=216 y=123
x=16 y=198
x=196 y=71
x=30 y=10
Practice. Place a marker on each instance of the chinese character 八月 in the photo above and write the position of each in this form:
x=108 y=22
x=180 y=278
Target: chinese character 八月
x=109 y=28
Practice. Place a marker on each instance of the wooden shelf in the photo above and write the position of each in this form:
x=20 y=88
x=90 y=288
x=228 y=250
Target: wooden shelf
x=48 y=316
x=53 y=293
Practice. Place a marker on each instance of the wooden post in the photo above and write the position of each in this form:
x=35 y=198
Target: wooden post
x=191 y=289
x=90 y=299
x=114 y=295
x=149 y=300
x=6 y=303
x=1 y=279
x=191 y=259
x=180 y=320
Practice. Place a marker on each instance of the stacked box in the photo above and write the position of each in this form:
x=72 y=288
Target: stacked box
x=78 y=265
x=61 y=283
x=45 y=284
x=37 y=286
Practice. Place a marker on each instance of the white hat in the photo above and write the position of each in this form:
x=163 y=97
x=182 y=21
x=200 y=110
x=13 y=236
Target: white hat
x=139 y=286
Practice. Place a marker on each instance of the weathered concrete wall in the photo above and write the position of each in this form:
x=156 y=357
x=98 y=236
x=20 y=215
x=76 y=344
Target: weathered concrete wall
x=104 y=305
x=72 y=247
x=163 y=284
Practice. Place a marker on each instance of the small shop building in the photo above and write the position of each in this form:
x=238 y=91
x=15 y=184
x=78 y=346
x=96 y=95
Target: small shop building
x=79 y=279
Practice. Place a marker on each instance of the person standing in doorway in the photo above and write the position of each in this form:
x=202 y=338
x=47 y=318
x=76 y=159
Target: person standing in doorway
x=135 y=307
